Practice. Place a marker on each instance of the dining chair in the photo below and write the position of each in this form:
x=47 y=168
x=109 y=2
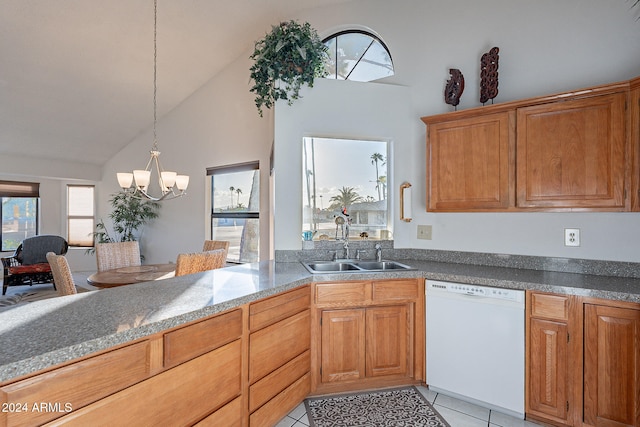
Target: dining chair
x=117 y=255
x=200 y=261
x=61 y=274
x=210 y=245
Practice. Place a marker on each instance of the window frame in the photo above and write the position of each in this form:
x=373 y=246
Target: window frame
x=19 y=189
x=70 y=217
x=374 y=38
x=223 y=170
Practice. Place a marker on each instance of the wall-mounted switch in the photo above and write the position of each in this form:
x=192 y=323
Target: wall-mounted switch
x=424 y=232
x=572 y=237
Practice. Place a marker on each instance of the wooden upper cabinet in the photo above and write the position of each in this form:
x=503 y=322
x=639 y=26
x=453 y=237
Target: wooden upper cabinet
x=571 y=154
x=469 y=163
x=634 y=115
x=576 y=150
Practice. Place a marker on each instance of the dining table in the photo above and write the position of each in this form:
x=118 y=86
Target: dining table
x=131 y=274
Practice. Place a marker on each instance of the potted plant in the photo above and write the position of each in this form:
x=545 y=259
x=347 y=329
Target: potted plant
x=128 y=214
x=291 y=55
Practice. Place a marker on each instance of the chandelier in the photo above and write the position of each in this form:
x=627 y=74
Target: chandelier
x=137 y=183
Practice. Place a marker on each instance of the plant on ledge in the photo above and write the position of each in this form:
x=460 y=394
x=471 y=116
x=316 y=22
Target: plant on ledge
x=291 y=55
x=128 y=214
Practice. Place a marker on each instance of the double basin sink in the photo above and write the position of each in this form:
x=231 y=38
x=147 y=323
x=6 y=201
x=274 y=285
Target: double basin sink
x=353 y=266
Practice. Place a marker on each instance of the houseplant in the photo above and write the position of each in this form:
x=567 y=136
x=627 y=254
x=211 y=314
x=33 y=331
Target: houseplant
x=288 y=57
x=128 y=215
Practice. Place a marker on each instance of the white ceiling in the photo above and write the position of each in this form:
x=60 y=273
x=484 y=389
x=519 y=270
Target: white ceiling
x=76 y=76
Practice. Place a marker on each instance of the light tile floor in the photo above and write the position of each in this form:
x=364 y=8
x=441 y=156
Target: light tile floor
x=456 y=412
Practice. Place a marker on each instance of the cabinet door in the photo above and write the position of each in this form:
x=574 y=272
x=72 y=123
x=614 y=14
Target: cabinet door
x=572 y=154
x=548 y=373
x=343 y=345
x=386 y=341
x=611 y=366
x=470 y=163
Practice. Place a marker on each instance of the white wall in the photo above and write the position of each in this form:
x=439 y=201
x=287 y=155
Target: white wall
x=546 y=46
x=334 y=109
x=53 y=177
x=217 y=125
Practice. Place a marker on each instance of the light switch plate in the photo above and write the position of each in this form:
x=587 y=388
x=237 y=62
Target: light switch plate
x=424 y=232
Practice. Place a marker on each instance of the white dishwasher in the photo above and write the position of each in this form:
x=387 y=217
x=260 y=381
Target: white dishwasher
x=475 y=344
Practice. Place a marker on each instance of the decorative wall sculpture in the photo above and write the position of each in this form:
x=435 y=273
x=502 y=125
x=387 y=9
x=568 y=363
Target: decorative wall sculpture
x=454 y=88
x=489 y=75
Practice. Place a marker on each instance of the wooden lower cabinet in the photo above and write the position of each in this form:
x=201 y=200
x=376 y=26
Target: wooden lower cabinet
x=611 y=366
x=279 y=356
x=583 y=361
x=548 y=364
x=343 y=345
x=180 y=396
x=371 y=344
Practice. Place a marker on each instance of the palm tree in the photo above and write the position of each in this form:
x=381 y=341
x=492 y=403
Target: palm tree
x=382 y=181
x=231 y=189
x=239 y=191
x=346 y=197
x=375 y=158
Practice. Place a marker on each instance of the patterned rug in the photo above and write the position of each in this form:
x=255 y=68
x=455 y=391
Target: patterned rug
x=404 y=407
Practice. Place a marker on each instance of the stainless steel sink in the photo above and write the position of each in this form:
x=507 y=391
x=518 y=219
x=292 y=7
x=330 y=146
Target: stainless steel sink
x=324 y=267
x=353 y=266
x=382 y=265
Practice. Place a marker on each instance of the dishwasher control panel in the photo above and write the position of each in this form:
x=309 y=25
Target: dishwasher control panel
x=474 y=290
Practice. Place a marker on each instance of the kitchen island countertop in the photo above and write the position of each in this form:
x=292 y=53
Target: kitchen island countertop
x=46 y=333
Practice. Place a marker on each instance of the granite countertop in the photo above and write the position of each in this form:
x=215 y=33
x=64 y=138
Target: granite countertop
x=42 y=334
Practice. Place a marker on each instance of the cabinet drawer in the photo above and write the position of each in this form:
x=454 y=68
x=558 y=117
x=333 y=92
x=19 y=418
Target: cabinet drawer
x=343 y=293
x=265 y=389
x=279 y=406
x=394 y=290
x=275 y=345
x=179 y=396
x=271 y=310
x=230 y=415
x=550 y=306
x=78 y=384
x=191 y=341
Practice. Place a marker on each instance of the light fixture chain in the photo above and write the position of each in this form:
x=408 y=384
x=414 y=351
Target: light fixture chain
x=171 y=184
x=155 y=72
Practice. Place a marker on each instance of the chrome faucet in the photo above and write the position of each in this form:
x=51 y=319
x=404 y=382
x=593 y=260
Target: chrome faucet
x=346 y=249
x=378 y=252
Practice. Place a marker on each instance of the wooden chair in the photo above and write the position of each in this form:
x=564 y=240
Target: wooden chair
x=200 y=261
x=117 y=255
x=210 y=245
x=28 y=264
x=61 y=274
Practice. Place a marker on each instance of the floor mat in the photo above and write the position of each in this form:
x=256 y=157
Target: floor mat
x=386 y=408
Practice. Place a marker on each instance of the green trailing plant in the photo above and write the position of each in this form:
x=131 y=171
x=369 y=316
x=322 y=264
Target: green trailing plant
x=128 y=215
x=288 y=57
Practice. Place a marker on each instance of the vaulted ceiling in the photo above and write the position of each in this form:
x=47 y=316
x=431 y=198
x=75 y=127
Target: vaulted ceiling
x=76 y=76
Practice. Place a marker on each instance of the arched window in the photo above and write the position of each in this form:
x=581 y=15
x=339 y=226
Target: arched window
x=357 y=55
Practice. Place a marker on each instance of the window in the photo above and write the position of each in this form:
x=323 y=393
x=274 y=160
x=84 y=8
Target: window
x=357 y=55
x=235 y=209
x=19 y=212
x=80 y=215
x=345 y=174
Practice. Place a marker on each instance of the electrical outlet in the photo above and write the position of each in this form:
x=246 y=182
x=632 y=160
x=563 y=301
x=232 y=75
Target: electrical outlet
x=424 y=232
x=572 y=237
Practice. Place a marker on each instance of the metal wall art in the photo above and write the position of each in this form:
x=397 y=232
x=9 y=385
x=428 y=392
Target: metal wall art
x=489 y=75
x=454 y=88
